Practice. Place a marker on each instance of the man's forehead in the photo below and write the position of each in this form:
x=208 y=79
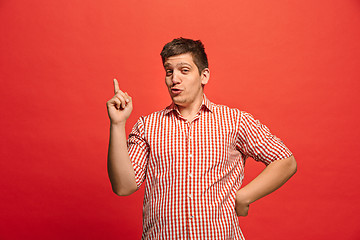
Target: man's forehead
x=177 y=60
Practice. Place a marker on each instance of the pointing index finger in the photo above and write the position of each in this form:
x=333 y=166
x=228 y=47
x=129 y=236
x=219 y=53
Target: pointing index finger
x=116 y=86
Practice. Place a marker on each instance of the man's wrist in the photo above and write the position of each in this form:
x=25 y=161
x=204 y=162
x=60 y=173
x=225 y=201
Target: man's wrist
x=118 y=124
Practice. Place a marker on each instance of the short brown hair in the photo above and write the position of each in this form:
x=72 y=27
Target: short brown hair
x=183 y=45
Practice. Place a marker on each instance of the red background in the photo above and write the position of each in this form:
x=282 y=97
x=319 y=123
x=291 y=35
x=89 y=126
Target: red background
x=292 y=64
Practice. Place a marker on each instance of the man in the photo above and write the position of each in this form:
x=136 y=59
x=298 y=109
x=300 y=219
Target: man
x=192 y=155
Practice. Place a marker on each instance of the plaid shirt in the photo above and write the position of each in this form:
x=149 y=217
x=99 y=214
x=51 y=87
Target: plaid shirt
x=193 y=169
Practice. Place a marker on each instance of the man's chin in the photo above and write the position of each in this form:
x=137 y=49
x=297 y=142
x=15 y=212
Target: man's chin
x=178 y=100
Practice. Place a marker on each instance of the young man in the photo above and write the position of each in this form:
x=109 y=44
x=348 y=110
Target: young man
x=192 y=154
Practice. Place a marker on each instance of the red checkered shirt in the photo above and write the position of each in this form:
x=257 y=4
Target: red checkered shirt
x=193 y=169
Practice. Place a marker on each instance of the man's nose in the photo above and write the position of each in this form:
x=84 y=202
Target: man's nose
x=176 y=78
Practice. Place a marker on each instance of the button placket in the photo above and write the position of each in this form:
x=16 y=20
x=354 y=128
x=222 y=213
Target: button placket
x=189 y=170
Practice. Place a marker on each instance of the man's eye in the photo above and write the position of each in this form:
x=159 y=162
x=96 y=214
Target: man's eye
x=185 y=70
x=168 y=72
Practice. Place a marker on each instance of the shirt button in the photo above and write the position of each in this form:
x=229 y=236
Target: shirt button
x=190 y=195
x=190 y=175
x=191 y=216
x=190 y=155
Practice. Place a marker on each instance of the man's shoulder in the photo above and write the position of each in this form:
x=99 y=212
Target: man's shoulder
x=233 y=113
x=157 y=114
x=221 y=108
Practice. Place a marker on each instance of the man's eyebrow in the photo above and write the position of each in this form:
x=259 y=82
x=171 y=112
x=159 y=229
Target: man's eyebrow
x=179 y=64
x=183 y=63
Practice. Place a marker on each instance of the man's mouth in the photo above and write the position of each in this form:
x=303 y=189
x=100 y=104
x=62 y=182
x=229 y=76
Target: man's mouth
x=176 y=90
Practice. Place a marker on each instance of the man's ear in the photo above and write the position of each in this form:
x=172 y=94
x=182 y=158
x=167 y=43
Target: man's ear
x=205 y=76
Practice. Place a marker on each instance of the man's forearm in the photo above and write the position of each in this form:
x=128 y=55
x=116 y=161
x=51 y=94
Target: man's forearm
x=270 y=179
x=120 y=170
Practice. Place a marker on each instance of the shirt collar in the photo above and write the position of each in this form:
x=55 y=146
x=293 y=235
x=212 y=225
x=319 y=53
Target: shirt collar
x=206 y=103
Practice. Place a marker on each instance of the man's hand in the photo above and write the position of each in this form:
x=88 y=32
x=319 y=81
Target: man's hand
x=241 y=205
x=119 y=106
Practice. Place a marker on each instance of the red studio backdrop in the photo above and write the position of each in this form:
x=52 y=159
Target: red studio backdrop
x=292 y=64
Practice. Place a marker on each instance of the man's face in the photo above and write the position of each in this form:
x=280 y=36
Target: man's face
x=183 y=80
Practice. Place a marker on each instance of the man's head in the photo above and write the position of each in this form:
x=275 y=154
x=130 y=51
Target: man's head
x=180 y=46
x=187 y=71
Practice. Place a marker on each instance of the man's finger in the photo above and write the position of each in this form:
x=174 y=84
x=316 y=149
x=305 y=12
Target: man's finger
x=116 y=86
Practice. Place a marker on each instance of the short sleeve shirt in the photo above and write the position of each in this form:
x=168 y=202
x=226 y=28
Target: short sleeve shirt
x=194 y=169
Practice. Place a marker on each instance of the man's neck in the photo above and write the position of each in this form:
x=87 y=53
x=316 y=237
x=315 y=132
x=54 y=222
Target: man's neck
x=189 y=112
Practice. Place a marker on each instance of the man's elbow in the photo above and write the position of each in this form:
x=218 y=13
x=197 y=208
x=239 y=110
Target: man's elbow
x=124 y=191
x=292 y=165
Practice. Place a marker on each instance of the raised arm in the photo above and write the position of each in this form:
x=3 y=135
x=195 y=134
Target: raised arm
x=270 y=179
x=120 y=169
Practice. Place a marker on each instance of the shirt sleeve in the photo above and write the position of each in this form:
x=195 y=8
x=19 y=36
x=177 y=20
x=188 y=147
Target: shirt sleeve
x=138 y=149
x=255 y=140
